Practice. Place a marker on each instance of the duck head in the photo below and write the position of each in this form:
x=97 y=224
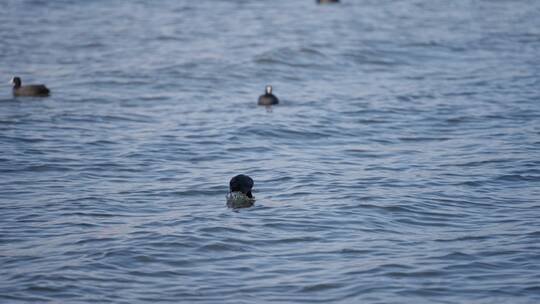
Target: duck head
x=16 y=82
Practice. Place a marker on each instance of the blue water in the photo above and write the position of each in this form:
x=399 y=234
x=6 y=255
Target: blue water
x=402 y=165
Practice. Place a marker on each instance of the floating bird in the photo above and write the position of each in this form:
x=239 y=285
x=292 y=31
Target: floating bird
x=327 y=1
x=28 y=90
x=240 y=195
x=268 y=98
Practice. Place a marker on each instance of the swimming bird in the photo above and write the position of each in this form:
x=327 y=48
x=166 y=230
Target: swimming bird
x=241 y=183
x=28 y=90
x=268 y=98
x=240 y=195
x=327 y=1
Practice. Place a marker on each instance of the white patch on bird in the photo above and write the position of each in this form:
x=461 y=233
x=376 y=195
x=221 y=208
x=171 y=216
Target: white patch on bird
x=268 y=89
x=239 y=200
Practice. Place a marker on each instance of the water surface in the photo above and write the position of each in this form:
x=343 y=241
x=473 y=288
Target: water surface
x=402 y=165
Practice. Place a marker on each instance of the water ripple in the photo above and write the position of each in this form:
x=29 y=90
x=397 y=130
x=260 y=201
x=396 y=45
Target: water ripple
x=400 y=165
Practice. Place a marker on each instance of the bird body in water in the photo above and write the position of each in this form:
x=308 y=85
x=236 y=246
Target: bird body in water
x=28 y=90
x=327 y=1
x=268 y=98
x=240 y=195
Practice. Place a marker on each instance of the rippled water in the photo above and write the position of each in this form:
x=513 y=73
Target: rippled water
x=402 y=165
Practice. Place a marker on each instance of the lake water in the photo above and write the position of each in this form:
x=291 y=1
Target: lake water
x=402 y=165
